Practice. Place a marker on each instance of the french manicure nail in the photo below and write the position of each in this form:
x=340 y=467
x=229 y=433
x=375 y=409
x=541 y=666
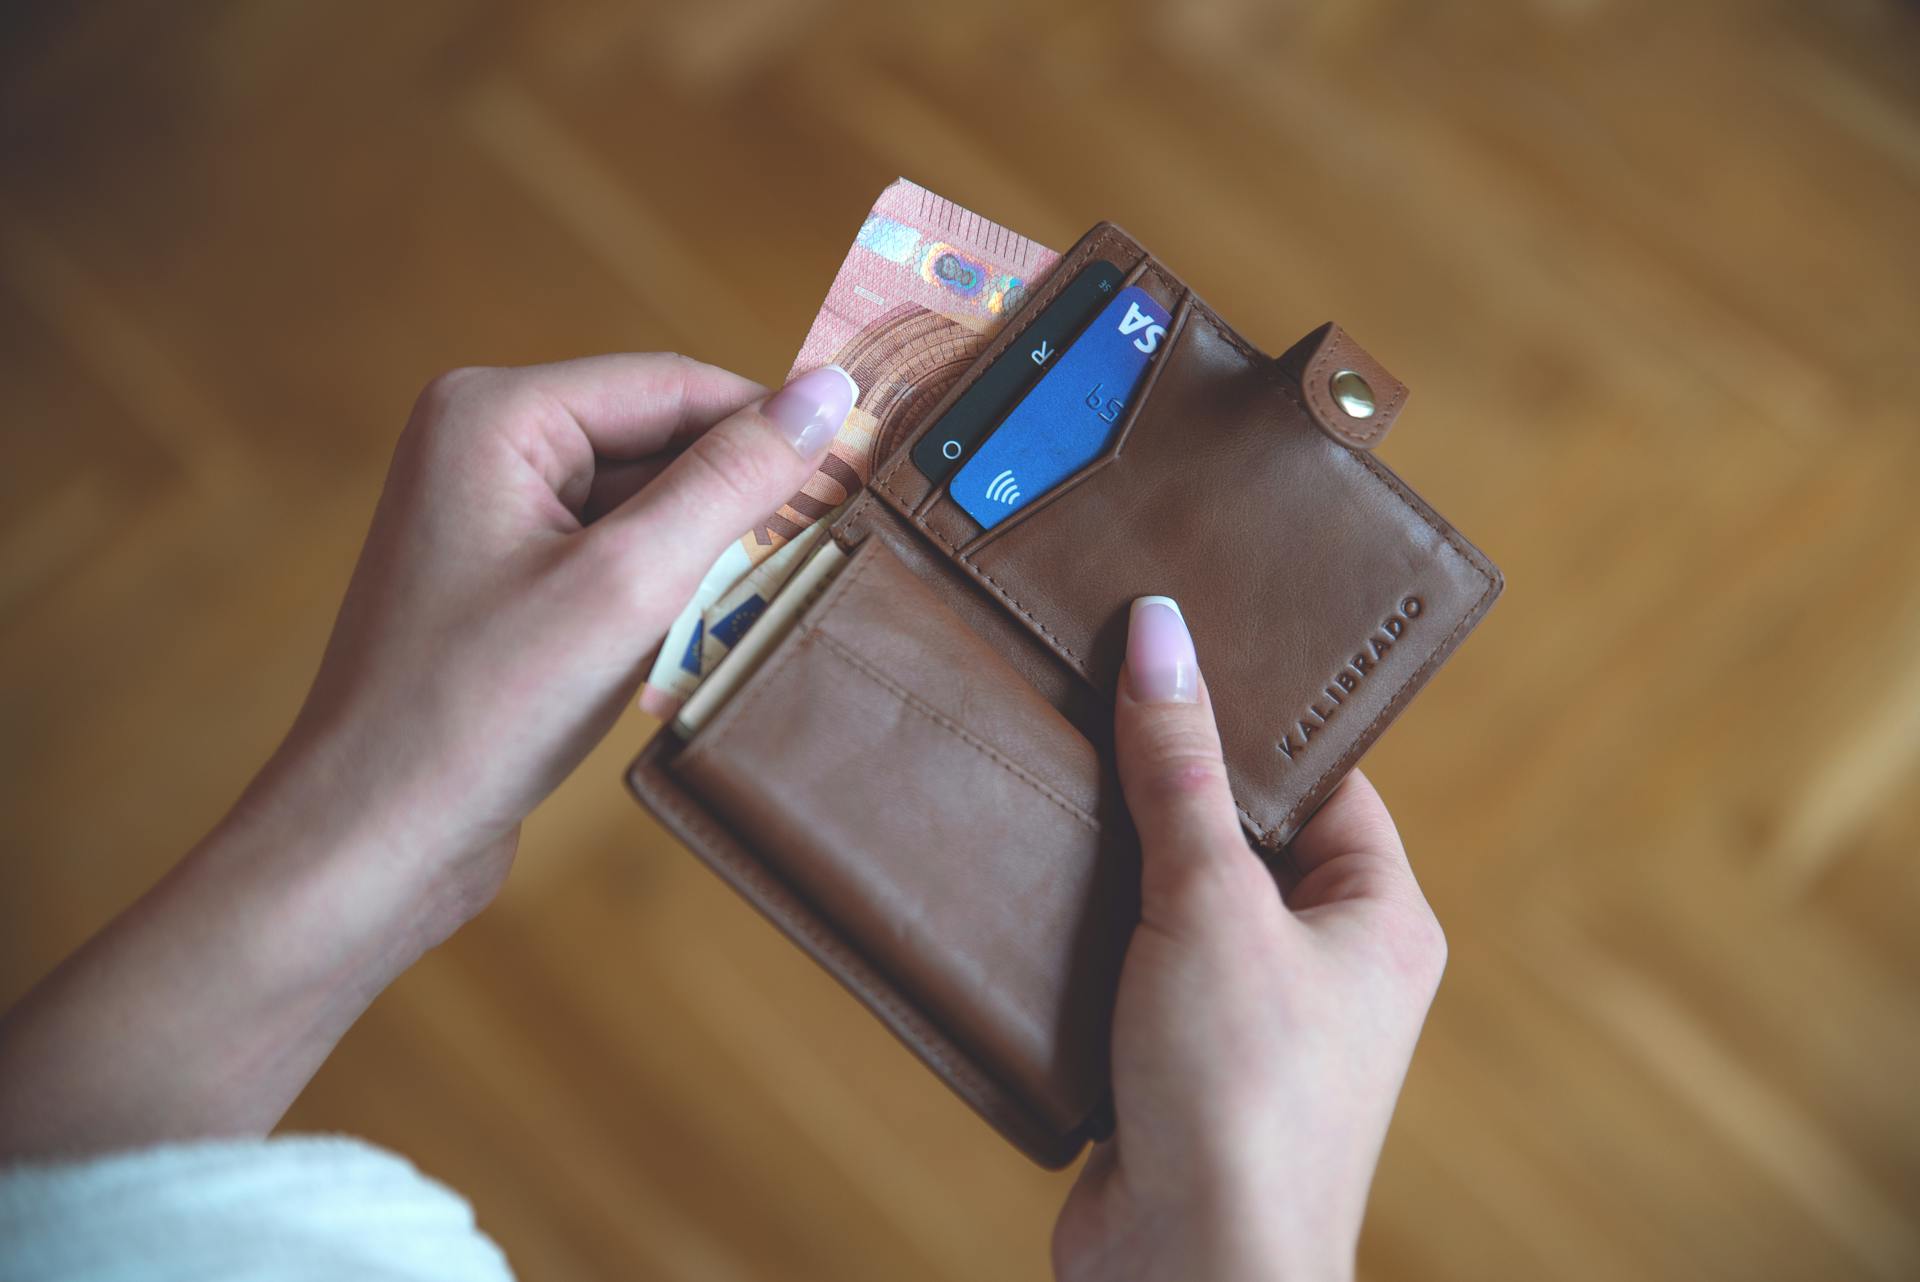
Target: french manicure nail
x=809 y=410
x=1161 y=667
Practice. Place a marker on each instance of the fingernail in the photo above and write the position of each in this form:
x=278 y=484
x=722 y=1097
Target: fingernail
x=1161 y=667
x=809 y=410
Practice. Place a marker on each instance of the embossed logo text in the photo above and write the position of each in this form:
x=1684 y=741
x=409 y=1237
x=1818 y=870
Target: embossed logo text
x=1347 y=680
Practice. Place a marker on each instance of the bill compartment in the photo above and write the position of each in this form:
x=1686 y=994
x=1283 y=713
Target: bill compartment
x=954 y=827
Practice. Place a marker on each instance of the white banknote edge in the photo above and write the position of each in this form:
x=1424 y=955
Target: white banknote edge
x=669 y=684
x=807 y=583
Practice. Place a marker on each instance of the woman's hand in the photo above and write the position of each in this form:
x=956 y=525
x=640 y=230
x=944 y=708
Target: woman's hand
x=1258 y=1044
x=539 y=530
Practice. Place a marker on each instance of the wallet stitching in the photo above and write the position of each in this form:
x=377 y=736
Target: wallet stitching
x=913 y=701
x=1268 y=833
x=1435 y=656
x=850 y=522
x=1078 y=664
x=702 y=744
x=928 y=1039
x=1433 y=659
x=1314 y=384
x=759 y=682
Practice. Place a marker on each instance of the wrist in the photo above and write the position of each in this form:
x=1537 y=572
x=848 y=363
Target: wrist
x=205 y=1007
x=1250 y=1220
x=353 y=875
x=1219 y=1246
x=1264 y=1243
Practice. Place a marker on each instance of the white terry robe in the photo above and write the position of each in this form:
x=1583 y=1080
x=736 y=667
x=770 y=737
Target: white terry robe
x=277 y=1210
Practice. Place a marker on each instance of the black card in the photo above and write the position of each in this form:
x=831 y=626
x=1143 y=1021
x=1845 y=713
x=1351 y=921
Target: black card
x=968 y=420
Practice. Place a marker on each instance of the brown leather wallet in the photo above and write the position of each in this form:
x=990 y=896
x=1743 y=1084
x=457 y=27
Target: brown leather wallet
x=917 y=785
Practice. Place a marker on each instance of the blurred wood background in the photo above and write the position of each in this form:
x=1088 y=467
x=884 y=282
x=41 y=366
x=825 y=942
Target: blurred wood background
x=1651 y=268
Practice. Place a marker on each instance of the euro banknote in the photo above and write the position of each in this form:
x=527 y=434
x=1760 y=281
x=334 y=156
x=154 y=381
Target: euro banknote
x=923 y=287
x=727 y=620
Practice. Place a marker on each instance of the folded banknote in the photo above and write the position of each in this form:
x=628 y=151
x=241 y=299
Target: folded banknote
x=923 y=288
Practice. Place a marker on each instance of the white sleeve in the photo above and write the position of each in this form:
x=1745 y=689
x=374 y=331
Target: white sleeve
x=276 y=1210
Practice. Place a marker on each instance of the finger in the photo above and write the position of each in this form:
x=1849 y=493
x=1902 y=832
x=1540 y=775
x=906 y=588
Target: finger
x=1353 y=818
x=728 y=479
x=1351 y=849
x=1171 y=769
x=617 y=480
x=633 y=404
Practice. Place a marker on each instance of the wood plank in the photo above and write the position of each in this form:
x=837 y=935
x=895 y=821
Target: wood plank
x=1649 y=269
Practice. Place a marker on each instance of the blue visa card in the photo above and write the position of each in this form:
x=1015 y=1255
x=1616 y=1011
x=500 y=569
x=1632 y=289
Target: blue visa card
x=1069 y=416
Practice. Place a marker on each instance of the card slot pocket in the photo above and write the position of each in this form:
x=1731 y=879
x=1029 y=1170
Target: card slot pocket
x=1159 y=286
x=952 y=825
x=897 y=478
x=1151 y=275
x=1114 y=448
x=942 y=518
x=909 y=491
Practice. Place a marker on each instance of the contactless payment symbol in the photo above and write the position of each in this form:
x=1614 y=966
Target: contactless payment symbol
x=1004 y=489
x=1068 y=417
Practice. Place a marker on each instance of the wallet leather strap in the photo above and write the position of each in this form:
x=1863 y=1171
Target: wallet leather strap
x=1349 y=395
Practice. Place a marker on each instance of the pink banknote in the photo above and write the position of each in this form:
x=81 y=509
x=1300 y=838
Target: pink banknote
x=923 y=287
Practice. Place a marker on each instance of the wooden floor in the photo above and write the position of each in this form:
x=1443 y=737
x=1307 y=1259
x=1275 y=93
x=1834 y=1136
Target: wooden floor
x=1651 y=268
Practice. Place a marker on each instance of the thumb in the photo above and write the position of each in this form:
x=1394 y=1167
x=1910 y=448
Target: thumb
x=1172 y=772
x=727 y=480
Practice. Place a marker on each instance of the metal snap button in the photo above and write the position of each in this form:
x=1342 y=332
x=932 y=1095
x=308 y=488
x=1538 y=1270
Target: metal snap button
x=1353 y=394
